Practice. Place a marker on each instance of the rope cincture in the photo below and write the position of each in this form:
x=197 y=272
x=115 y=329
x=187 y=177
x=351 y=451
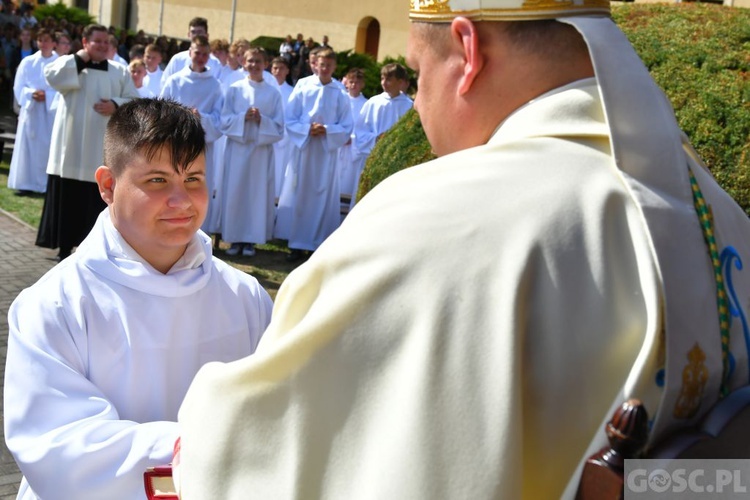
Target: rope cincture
x=707 y=225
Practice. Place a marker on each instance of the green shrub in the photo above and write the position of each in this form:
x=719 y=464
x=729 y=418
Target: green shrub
x=61 y=11
x=405 y=145
x=698 y=53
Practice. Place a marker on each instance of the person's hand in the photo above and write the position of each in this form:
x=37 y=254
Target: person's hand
x=252 y=115
x=105 y=107
x=83 y=55
x=38 y=95
x=317 y=129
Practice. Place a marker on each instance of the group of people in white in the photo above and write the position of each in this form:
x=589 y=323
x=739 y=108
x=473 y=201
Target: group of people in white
x=282 y=160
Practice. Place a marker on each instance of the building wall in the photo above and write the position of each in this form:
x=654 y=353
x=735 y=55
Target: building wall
x=342 y=21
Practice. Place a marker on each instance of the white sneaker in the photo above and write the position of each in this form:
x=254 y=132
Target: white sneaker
x=248 y=251
x=233 y=250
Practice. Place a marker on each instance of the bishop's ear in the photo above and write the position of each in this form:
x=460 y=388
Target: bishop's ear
x=465 y=36
x=105 y=179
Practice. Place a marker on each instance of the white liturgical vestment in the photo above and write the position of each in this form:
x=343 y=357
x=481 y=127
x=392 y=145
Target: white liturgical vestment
x=475 y=319
x=101 y=352
x=28 y=166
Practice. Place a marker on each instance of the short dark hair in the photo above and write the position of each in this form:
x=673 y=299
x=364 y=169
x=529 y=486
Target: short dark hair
x=199 y=21
x=89 y=30
x=45 y=32
x=281 y=60
x=152 y=47
x=200 y=41
x=145 y=126
x=355 y=74
x=394 y=70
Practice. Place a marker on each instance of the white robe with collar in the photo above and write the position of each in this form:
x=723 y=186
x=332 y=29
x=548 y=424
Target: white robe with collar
x=310 y=204
x=247 y=210
x=28 y=165
x=101 y=352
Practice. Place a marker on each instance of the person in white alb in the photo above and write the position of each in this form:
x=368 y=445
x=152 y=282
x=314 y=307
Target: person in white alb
x=198 y=26
x=252 y=119
x=103 y=347
x=379 y=114
x=318 y=121
x=89 y=88
x=194 y=87
x=28 y=165
x=472 y=324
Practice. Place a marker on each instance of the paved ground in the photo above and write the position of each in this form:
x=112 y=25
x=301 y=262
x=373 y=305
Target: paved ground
x=21 y=264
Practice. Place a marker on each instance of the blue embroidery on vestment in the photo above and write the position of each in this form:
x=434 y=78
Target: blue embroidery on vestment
x=729 y=255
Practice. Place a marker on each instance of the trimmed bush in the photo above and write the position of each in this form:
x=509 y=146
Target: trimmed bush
x=61 y=11
x=698 y=53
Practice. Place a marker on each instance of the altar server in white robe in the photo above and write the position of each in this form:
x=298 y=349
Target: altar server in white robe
x=349 y=161
x=319 y=122
x=28 y=165
x=280 y=70
x=152 y=56
x=194 y=87
x=198 y=26
x=103 y=347
x=468 y=330
x=252 y=120
x=90 y=89
x=380 y=113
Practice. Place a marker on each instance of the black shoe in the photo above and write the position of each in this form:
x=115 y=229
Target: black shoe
x=64 y=254
x=295 y=255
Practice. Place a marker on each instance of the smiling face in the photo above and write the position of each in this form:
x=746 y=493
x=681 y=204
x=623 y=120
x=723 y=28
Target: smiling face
x=255 y=63
x=155 y=209
x=97 y=45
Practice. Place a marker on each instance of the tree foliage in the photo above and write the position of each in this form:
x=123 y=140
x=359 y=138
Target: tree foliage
x=61 y=11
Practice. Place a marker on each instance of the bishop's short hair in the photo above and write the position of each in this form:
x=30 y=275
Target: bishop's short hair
x=145 y=126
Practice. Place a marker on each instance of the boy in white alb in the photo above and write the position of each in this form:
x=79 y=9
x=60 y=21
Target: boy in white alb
x=381 y=112
x=28 y=166
x=280 y=70
x=350 y=162
x=252 y=120
x=195 y=87
x=318 y=121
x=103 y=347
x=138 y=71
x=152 y=56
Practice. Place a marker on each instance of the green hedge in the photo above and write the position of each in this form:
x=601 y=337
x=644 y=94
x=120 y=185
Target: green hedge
x=62 y=11
x=698 y=53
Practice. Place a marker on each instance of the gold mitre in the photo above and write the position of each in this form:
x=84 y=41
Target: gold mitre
x=439 y=11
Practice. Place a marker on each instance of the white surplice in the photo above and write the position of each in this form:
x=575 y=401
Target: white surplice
x=310 y=195
x=248 y=191
x=101 y=352
x=349 y=158
x=282 y=148
x=28 y=165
